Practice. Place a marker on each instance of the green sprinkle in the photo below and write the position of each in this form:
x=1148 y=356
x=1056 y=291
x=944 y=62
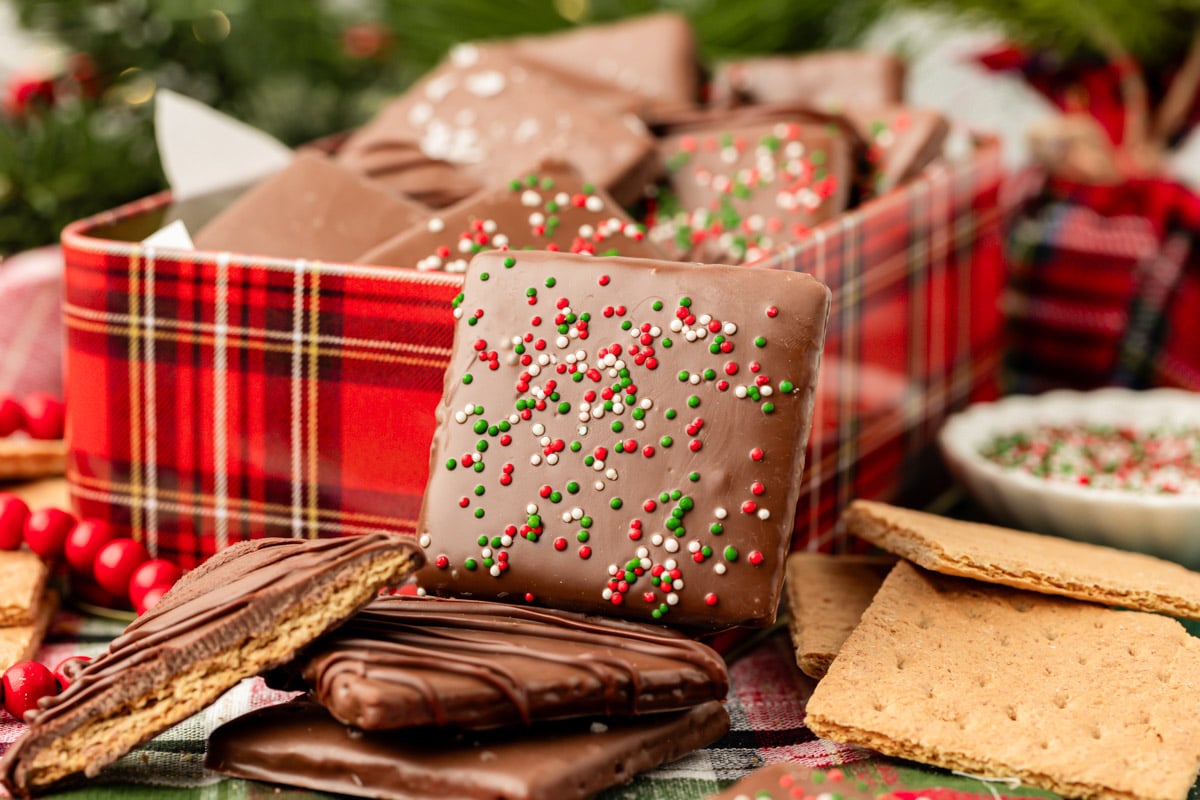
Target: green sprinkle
x=657 y=305
x=676 y=494
x=550 y=283
x=639 y=413
x=667 y=343
x=615 y=504
x=586 y=522
x=583 y=536
x=664 y=497
x=451 y=463
x=672 y=524
x=671 y=413
x=531 y=292
x=693 y=402
x=731 y=553
x=576 y=447
x=481 y=445
x=716 y=529
x=510 y=262
x=687 y=503
x=480 y=426
x=483 y=276
x=564 y=408
x=768 y=408
x=469 y=564
x=617 y=427
x=710 y=374
x=626 y=325
x=666 y=441
x=473 y=321
x=573 y=488
x=686 y=302
x=493 y=430
x=467 y=378
x=556 y=497
x=497 y=541
x=683 y=375
x=479 y=513
x=693 y=476
x=477 y=466
x=706 y=551
x=589 y=460
x=760 y=341
x=786 y=386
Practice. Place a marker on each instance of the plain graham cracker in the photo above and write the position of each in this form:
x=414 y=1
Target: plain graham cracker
x=23 y=581
x=21 y=642
x=26 y=459
x=827 y=594
x=1076 y=698
x=1046 y=564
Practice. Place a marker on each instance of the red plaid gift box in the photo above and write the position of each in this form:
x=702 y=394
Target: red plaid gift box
x=1105 y=285
x=215 y=397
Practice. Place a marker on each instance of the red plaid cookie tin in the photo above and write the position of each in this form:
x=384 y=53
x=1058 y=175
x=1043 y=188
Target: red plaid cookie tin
x=215 y=397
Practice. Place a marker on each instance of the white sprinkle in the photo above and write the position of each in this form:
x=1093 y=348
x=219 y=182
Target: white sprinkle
x=598 y=465
x=764 y=513
x=642 y=552
x=531 y=508
x=612 y=569
x=656 y=540
x=500 y=240
x=420 y=114
x=543 y=359
x=552 y=459
x=720 y=513
x=544 y=441
x=425 y=540
x=677 y=584
x=465 y=245
x=495 y=570
x=562 y=342
x=655 y=331
x=576 y=513
x=594 y=203
x=672 y=599
x=766 y=391
x=489 y=226
x=587 y=231
x=566 y=516
x=640 y=424
x=739 y=391
x=693 y=546
x=704 y=319
x=514 y=419
x=618 y=407
x=719 y=568
x=611 y=474
x=563 y=199
x=671 y=545
x=607 y=593
x=582 y=429
x=690 y=336
x=535 y=459
x=676 y=325
x=488 y=83
x=670 y=563
x=730 y=329
x=537 y=217
x=538 y=429
x=506 y=540
x=647 y=402
x=694 y=378
x=599 y=485
x=460 y=417
x=486 y=552
x=436 y=224
x=464 y=55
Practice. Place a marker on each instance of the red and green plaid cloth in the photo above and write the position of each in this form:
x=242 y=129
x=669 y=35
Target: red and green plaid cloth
x=766 y=706
x=1105 y=286
x=213 y=398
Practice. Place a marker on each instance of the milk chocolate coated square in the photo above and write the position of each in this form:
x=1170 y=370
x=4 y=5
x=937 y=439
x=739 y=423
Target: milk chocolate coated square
x=313 y=209
x=488 y=113
x=735 y=192
x=298 y=744
x=901 y=142
x=622 y=436
x=549 y=208
x=409 y=661
x=650 y=60
x=833 y=80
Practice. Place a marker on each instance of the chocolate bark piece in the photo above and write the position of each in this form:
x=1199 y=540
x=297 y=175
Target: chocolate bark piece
x=299 y=744
x=651 y=60
x=901 y=142
x=735 y=192
x=832 y=80
x=488 y=113
x=315 y=209
x=627 y=441
x=549 y=208
x=409 y=661
x=245 y=610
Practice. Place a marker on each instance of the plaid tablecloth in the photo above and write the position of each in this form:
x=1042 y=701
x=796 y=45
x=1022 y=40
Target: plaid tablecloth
x=766 y=704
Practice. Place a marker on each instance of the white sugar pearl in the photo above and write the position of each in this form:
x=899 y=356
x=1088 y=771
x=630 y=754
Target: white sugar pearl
x=671 y=545
x=720 y=513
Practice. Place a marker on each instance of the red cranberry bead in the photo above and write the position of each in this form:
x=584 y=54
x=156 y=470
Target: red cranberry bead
x=46 y=532
x=155 y=572
x=150 y=598
x=115 y=564
x=13 y=514
x=44 y=416
x=84 y=542
x=25 y=683
x=12 y=418
x=68 y=670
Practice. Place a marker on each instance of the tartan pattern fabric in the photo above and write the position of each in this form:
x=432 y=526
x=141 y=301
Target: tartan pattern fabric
x=214 y=398
x=765 y=704
x=1104 y=286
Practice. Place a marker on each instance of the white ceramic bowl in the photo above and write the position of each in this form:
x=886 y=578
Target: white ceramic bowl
x=1163 y=525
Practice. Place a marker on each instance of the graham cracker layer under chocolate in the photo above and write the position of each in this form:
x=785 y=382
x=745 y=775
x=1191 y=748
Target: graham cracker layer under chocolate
x=245 y=610
x=1030 y=561
x=22 y=584
x=827 y=595
x=21 y=642
x=1067 y=696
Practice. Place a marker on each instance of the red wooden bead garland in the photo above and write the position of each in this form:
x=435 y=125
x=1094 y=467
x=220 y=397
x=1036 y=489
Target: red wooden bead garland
x=13 y=515
x=46 y=532
x=24 y=684
x=41 y=415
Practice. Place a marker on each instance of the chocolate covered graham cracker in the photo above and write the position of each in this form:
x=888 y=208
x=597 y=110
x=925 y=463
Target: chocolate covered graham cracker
x=484 y=112
x=21 y=642
x=832 y=80
x=623 y=436
x=901 y=142
x=299 y=744
x=313 y=209
x=1030 y=561
x=549 y=208
x=23 y=579
x=736 y=190
x=827 y=595
x=409 y=661
x=1068 y=696
x=245 y=610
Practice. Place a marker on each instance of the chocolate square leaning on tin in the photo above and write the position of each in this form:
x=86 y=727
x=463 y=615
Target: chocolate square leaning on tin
x=404 y=662
x=247 y=609
x=623 y=436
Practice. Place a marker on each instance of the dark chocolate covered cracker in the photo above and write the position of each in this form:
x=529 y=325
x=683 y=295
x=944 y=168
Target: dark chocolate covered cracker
x=299 y=744
x=548 y=208
x=623 y=436
x=410 y=661
x=245 y=610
